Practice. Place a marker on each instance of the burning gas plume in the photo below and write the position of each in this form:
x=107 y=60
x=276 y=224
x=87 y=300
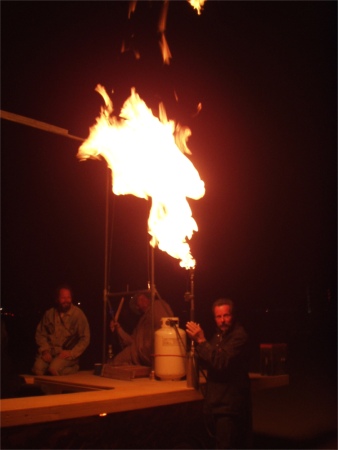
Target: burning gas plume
x=146 y=156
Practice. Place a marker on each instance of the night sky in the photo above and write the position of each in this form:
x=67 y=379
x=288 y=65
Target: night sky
x=264 y=144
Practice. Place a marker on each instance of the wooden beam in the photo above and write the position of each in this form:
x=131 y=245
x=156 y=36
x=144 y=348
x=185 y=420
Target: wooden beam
x=37 y=124
x=122 y=396
x=111 y=396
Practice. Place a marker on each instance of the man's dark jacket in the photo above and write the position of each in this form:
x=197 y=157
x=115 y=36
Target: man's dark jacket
x=226 y=359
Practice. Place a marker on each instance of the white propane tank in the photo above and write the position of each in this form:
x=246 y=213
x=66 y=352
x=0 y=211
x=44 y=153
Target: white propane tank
x=170 y=350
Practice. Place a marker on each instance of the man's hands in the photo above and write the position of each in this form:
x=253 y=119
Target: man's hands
x=65 y=354
x=46 y=356
x=114 y=325
x=195 y=332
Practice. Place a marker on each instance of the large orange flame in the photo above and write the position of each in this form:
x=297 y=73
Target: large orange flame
x=146 y=156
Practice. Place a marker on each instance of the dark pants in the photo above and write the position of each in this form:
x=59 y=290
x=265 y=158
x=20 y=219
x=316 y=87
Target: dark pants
x=233 y=432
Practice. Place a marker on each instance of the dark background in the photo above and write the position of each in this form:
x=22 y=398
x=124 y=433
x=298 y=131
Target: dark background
x=264 y=144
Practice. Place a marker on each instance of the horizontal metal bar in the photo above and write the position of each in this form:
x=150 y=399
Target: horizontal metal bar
x=122 y=293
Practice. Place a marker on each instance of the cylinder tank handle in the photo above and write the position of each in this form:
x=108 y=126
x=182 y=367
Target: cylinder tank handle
x=170 y=321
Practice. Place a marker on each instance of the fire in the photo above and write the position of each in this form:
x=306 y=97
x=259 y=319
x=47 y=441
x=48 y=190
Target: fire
x=197 y=4
x=146 y=156
x=166 y=54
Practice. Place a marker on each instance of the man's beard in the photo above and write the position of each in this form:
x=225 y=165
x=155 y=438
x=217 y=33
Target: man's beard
x=65 y=307
x=225 y=328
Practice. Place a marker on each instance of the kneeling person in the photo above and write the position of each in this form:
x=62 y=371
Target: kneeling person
x=62 y=336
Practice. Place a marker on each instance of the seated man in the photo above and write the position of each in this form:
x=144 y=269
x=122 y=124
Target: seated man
x=62 y=336
x=138 y=347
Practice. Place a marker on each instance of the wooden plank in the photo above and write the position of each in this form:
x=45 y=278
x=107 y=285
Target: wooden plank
x=109 y=371
x=51 y=388
x=114 y=396
x=127 y=396
x=125 y=372
x=91 y=381
x=37 y=124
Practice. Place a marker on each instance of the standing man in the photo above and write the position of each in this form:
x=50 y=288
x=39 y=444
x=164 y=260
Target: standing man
x=226 y=359
x=138 y=347
x=62 y=336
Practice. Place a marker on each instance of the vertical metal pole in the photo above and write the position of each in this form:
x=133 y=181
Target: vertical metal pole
x=152 y=289
x=105 y=287
x=192 y=307
x=192 y=369
x=192 y=298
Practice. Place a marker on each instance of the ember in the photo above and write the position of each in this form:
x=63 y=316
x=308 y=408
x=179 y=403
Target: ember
x=166 y=54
